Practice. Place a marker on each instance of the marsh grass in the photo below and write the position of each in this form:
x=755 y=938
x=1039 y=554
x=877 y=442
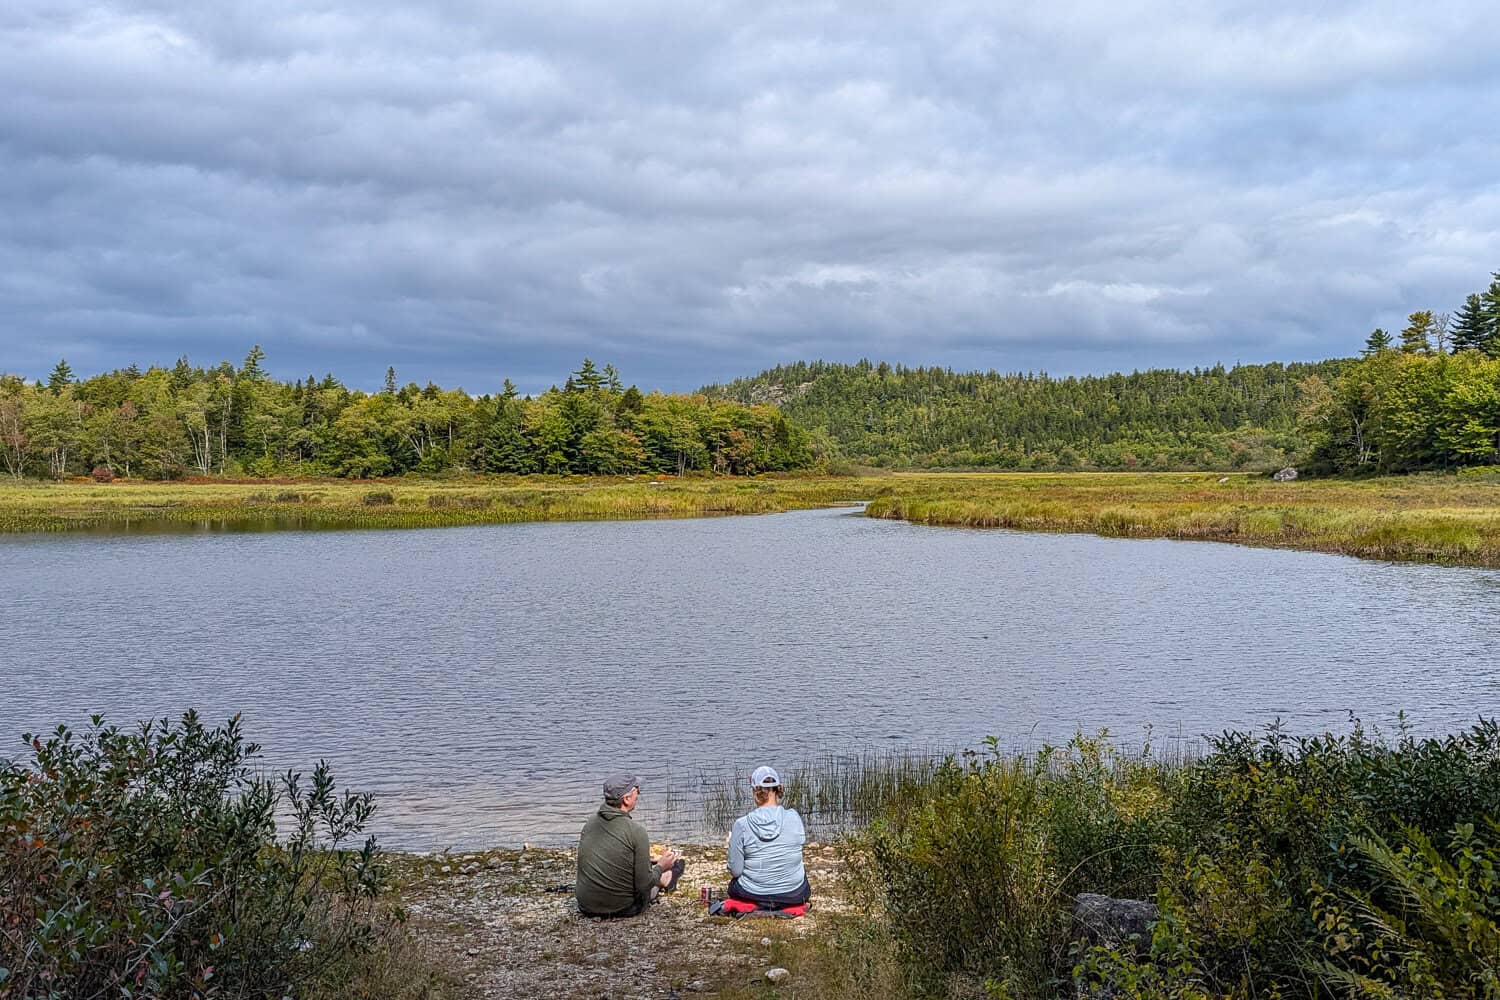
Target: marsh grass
x=834 y=792
x=840 y=792
x=1427 y=518
x=30 y=506
x=1445 y=519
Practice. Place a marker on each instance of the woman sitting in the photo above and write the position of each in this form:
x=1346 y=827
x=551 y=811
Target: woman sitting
x=765 y=850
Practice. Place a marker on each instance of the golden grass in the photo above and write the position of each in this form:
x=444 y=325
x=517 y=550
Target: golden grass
x=31 y=506
x=1423 y=518
x=1420 y=518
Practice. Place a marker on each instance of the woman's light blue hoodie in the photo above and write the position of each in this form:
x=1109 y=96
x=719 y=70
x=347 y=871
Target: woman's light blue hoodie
x=765 y=851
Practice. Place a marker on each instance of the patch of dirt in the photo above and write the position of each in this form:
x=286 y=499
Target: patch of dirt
x=504 y=924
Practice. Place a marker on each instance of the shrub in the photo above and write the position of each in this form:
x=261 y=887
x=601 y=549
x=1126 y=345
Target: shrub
x=1267 y=859
x=1278 y=832
x=378 y=498
x=1430 y=929
x=145 y=863
x=969 y=890
x=102 y=474
x=289 y=496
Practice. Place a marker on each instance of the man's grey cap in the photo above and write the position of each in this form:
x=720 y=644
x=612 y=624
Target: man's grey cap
x=617 y=785
x=765 y=777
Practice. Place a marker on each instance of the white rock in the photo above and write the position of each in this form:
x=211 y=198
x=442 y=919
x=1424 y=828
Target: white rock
x=765 y=942
x=778 y=975
x=446 y=869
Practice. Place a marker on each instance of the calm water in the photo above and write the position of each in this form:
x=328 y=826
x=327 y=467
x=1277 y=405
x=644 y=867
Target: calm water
x=481 y=679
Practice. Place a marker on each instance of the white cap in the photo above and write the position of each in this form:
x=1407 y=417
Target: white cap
x=765 y=777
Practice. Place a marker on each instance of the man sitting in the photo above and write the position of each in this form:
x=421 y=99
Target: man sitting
x=617 y=876
x=765 y=850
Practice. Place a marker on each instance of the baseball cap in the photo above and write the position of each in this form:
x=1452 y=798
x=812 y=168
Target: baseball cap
x=765 y=777
x=616 y=786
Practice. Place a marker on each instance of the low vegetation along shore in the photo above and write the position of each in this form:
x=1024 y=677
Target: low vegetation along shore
x=145 y=862
x=1434 y=518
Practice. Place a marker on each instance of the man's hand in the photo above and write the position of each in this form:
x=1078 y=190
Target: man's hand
x=668 y=859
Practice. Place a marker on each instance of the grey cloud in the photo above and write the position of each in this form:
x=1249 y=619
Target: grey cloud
x=693 y=191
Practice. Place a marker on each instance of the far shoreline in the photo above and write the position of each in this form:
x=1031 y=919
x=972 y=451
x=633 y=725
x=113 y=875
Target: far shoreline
x=1442 y=519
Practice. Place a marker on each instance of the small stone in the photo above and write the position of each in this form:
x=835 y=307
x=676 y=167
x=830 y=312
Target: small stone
x=446 y=869
x=598 y=958
x=492 y=863
x=765 y=942
x=697 y=986
x=778 y=975
x=1285 y=475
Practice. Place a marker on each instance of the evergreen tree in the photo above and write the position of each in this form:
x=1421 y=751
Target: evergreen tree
x=1490 y=316
x=134 y=371
x=588 y=377
x=1416 y=338
x=506 y=448
x=1469 y=333
x=509 y=390
x=182 y=375
x=251 y=369
x=61 y=377
x=612 y=379
x=390 y=380
x=1376 y=342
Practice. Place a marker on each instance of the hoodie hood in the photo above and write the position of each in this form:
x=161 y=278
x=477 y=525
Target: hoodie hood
x=765 y=821
x=608 y=812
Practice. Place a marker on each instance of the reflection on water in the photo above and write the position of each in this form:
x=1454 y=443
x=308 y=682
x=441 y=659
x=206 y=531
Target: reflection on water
x=481 y=680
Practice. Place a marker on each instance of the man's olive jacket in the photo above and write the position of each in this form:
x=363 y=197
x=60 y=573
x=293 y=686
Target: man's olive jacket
x=615 y=872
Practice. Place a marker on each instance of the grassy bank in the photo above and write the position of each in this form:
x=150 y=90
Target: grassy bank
x=30 y=506
x=1419 y=518
x=1443 y=519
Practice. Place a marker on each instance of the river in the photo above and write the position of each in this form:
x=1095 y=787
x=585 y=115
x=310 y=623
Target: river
x=481 y=680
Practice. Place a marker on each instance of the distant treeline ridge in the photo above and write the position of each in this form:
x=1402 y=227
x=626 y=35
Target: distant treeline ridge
x=164 y=423
x=1245 y=417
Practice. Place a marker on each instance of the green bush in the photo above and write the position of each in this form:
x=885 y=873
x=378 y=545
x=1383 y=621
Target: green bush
x=147 y=863
x=977 y=869
x=1266 y=859
x=378 y=498
x=969 y=889
x=1431 y=927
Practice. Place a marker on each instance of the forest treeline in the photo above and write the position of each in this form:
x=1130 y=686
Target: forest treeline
x=165 y=423
x=1245 y=417
x=1428 y=398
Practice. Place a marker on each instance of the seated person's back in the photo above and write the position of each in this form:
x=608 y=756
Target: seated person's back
x=616 y=874
x=765 y=849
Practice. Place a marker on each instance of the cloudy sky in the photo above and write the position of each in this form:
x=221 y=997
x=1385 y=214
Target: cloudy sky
x=467 y=189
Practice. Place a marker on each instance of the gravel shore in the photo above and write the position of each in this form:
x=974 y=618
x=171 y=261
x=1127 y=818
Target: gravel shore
x=503 y=924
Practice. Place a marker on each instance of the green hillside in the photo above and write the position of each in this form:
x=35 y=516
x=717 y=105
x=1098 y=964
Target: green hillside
x=1245 y=417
